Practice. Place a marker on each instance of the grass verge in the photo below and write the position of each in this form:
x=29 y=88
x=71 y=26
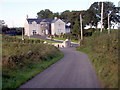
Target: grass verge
x=103 y=52
x=16 y=77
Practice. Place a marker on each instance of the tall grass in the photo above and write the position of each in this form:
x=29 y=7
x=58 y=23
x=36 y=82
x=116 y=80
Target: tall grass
x=103 y=51
x=22 y=60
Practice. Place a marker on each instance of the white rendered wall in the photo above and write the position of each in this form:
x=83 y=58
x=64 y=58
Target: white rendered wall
x=58 y=27
x=39 y=29
x=32 y=27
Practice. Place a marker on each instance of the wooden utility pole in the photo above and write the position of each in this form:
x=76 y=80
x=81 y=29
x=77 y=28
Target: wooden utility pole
x=108 y=23
x=29 y=29
x=102 y=17
x=22 y=34
x=81 y=27
x=81 y=30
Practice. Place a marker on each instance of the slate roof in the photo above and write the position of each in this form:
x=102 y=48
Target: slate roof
x=38 y=21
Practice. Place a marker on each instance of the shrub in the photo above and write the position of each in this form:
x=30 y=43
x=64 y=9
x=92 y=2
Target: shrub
x=103 y=51
x=20 y=58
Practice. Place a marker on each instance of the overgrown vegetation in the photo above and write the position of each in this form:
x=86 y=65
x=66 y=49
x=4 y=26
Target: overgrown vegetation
x=19 y=39
x=103 y=52
x=22 y=60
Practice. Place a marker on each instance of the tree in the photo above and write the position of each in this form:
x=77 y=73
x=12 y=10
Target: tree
x=66 y=15
x=4 y=29
x=45 y=14
x=109 y=8
x=93 y=14
x=76 y=29
x=56 y=15
x=2 y=22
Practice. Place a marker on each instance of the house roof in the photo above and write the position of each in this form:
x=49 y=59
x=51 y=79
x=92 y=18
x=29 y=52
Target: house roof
x=38 y=21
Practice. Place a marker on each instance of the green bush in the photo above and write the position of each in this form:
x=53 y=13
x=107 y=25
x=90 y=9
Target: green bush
x=16 y=39
x=20 y=58
x=89 y=32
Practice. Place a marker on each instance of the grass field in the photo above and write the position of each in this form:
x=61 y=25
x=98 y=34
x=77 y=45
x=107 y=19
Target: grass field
x=21 y=61
x=103 y=52
x=31 y=38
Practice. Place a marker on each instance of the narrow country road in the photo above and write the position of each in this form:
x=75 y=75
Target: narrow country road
x=72 y=71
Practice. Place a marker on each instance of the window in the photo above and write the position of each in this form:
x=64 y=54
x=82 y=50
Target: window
x=59 y=24
x=59 y=30
x=34 y=32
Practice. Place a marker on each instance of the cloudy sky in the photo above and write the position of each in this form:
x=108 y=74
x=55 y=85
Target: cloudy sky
x=14 y=11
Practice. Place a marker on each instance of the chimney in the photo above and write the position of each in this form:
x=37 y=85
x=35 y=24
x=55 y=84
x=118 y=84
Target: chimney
x=26 y=16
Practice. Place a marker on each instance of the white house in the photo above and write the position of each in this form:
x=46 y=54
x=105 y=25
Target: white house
x=44 y=26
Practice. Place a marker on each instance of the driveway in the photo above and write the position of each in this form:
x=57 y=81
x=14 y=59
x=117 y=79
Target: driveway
x=72 y=71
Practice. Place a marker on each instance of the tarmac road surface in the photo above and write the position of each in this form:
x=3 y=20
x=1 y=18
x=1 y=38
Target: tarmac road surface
x=72 y=71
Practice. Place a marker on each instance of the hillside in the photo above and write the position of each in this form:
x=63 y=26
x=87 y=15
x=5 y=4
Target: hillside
x=103 y=52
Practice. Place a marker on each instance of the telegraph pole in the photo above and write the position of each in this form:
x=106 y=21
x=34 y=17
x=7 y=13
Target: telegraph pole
x=29 y=29
x=81 y=27
x=81 y=30
x=22 y=34
x=108 y=23
x=101 y=17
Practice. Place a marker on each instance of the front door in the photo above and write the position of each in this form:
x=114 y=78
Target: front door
x=46 y=32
